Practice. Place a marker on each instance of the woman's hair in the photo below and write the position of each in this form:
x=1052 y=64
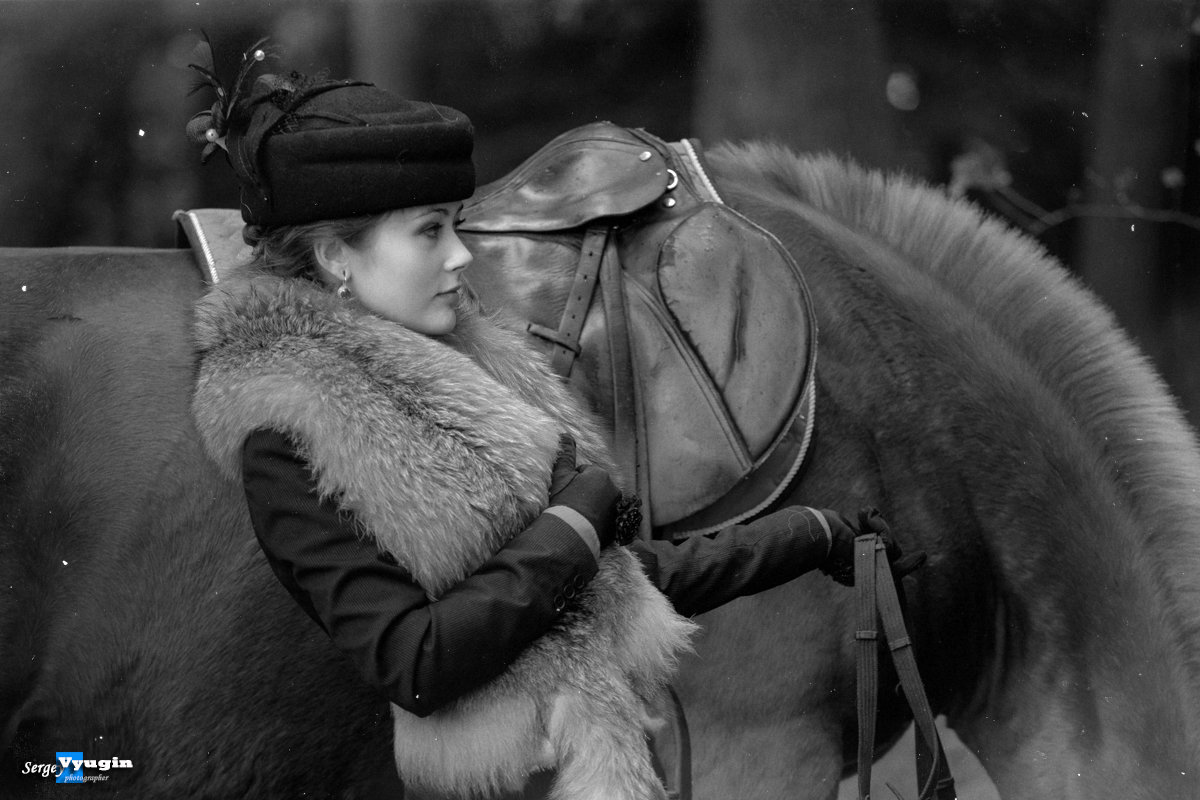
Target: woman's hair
x=288 y=251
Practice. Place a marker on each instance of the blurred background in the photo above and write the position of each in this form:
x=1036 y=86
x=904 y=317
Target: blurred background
x=1077 y=120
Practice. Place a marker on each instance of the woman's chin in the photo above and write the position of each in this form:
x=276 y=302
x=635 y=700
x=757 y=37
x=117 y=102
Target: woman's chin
x=438 y=324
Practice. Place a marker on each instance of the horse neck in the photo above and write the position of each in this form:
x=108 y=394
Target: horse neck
x=1093 y=657
x=1113 y=393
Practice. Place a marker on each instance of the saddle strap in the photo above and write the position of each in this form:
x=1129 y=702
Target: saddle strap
x=878 y=601
x=570 y=326
x=629 y=446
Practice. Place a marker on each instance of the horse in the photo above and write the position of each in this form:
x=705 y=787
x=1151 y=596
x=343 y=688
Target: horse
x=968 y=386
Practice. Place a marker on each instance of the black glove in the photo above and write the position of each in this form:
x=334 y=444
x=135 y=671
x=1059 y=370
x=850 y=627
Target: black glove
x=587 y=489
x=839 y=564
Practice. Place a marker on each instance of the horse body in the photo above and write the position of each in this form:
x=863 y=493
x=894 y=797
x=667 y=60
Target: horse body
x=966 y=386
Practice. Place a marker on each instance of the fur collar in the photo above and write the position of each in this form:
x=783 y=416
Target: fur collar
x=441 y=448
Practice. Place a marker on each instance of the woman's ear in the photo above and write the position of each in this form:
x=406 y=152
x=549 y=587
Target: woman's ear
x=332 y=257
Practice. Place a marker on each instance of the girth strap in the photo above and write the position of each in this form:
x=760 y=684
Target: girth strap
x=879 y=601
x=629 y=445
x=566 y=338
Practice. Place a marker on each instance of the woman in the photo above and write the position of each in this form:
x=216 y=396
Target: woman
x=411 y=467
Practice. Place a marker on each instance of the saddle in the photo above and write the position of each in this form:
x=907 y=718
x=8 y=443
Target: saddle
x=702 y=346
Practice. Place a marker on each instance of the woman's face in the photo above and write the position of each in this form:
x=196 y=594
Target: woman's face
x=407 y=268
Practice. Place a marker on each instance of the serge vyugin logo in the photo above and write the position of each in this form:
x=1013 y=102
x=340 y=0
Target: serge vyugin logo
x=72 y=767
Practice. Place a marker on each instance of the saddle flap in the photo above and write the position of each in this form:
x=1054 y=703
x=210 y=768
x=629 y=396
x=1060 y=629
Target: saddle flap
x=594 y=171
x=723 y=346
x=740 y=302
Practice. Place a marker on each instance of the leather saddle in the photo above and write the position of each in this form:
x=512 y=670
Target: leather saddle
x=701 y=344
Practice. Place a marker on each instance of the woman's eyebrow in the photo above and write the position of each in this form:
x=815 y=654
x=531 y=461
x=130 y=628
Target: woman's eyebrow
x=428 y=215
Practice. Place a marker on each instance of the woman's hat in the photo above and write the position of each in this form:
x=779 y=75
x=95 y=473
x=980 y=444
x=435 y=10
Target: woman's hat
x=308 y=149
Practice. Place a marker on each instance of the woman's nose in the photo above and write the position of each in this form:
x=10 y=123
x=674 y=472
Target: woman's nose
x=460 y=257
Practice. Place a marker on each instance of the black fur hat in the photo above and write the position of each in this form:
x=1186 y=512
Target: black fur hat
x=308 y=149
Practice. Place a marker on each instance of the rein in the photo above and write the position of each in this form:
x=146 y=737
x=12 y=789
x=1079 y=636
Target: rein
x=878 y=601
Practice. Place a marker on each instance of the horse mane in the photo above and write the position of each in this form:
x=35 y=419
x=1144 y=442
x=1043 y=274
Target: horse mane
x=1068 y=337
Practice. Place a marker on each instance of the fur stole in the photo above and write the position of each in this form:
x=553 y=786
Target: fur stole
x=442 y=450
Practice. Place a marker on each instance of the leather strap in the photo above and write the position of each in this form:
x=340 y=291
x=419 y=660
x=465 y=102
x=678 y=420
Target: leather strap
x=867 y=659
x=628 y=443
x=933 y=771
x=570 y=326
x=878 y=601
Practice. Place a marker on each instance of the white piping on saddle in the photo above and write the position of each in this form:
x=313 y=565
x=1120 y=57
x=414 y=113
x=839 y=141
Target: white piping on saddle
x=210 y=262
x=699 y=168
x=810 y=405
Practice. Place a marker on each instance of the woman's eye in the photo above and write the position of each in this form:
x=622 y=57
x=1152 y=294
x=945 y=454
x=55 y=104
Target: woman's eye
x=433 y=230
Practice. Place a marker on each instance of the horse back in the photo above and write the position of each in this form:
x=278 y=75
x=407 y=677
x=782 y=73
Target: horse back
x=143 y=622
x=97 y=373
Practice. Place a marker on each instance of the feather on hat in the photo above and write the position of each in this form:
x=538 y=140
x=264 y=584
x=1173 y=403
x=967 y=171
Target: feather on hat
x=305 y=149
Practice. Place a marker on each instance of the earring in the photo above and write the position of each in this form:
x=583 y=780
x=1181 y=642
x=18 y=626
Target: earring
x=343 y=291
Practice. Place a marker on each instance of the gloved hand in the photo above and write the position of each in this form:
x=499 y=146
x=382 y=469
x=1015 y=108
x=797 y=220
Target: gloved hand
x=839 y=564
x=587 y=489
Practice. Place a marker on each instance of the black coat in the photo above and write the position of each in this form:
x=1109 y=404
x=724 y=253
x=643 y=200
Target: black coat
x=422 y=654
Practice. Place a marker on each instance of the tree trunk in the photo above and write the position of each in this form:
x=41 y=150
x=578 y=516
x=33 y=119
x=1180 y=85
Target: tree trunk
x=384 y=38
x=811 y=75
x=1140 y=112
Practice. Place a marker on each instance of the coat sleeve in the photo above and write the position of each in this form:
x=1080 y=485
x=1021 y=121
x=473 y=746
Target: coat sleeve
x=701 y=573
x=419 y=653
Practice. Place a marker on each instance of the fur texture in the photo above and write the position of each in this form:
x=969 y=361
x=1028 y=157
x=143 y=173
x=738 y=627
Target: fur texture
x=442 y=450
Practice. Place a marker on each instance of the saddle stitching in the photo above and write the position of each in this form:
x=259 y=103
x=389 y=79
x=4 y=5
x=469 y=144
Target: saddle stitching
x=693 y=160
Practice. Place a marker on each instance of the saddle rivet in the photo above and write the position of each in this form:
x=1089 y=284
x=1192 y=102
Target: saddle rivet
x=644 y=155
x=669 y=202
